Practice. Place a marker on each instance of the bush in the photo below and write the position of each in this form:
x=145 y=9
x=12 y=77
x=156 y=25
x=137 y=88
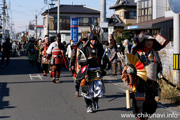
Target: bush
x=168 y=93
x=118 y=40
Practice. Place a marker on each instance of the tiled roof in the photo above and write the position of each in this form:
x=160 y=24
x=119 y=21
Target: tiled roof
x=73 y=9
x=115 y=20
x=123 y=3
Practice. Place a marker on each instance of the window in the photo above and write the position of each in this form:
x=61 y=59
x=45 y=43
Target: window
x=149 y=11
x=121 y=14
x=142 y=12
x=130 y=15
x=87 y=21
x=145 y=12
x=145 y=4
x=150 y=3
x=65 y=23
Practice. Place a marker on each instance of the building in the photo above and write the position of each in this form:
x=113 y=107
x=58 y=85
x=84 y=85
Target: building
x=32 y=31
x=153 y=16
x=87 y=17
x=40 y=32
x=125 y=10
x=125 y=13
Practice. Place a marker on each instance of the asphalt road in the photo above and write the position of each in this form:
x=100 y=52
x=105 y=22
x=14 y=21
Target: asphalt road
x=26 y=95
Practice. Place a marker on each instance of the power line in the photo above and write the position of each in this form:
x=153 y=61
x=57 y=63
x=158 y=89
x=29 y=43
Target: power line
x=41 y=10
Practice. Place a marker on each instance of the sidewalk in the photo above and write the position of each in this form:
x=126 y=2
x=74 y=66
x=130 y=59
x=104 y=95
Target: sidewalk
x=116 y=80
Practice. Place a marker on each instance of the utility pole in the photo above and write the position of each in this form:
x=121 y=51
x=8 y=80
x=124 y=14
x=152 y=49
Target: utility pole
x=58 y=17
x=103 y=23
x=103 y=11
x=3 y=18
x=36 y=26
x=48 y=20
x=174 y=6
x=176 y=50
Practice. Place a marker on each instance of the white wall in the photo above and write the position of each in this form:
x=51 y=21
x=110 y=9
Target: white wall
x=169 y=14
x=159 y=8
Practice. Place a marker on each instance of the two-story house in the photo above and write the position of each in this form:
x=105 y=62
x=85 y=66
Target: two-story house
x=125 y=13
x=87 y=16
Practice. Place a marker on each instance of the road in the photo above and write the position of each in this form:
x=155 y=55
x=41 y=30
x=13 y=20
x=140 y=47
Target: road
x=25 y=94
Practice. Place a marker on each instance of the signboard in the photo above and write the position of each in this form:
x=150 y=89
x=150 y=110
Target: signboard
x=132 y=27
x=63 y=37
x=161 y=40
x=104 y=24
x=74 y=29
x=174 y=5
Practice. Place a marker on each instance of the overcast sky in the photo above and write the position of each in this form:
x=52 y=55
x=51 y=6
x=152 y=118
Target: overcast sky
x=23 y=11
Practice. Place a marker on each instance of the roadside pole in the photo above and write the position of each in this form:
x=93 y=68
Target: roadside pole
x=58 y=17
x=103 y=23
x=3 y=19
x=176 y=50
x=174 y=6
x=36 y=26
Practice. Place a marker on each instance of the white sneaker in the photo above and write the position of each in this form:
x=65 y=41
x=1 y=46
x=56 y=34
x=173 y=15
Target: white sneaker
x=89 y=109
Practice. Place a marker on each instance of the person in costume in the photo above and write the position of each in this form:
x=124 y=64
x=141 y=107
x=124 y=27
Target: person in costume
x=44 y=57
x=31 y=51
x=90 y=58
x=39 y=54
x=56 y=50
x=75 y=67
x=141 y=75
x=7 y=48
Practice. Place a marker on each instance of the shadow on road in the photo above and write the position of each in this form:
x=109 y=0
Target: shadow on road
x=19 y=66
x=4 y=91
x=118 y=95
x=4 y=117
x=115 y=109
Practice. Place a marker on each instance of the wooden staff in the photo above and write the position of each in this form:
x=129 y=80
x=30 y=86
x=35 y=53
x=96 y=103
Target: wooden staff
x=170 y=83
x=64 y=60
x=122 y=61
x=128 y=106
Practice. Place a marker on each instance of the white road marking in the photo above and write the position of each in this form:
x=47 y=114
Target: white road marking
x=36 y=76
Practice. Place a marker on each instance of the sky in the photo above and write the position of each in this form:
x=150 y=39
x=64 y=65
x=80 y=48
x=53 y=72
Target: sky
x=23 y=11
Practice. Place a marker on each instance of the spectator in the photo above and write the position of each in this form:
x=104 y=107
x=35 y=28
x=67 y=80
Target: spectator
x=113 y=59
x=113 y=41
x=120 y=57
x=106 y=56
x=14 y=47
x=127 y=48
x=69 y=51
x=7 y=47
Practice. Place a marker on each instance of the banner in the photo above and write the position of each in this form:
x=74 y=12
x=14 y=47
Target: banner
x=74 y=29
